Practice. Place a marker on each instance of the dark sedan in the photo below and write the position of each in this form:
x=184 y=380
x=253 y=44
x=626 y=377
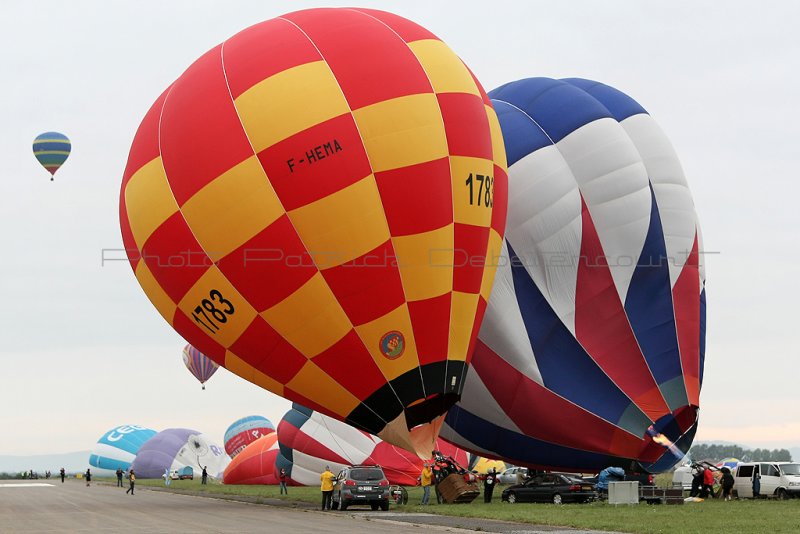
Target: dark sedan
x=551 y=487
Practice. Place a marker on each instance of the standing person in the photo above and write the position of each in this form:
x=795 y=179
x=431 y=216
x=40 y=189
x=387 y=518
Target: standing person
x=88 y=476
x=167 y=478
x=489 y=482
x=697 y=481
x=132 y=479
x=63 y=474
x=119 y=477
x=327 y=479
x=756 y=483
x=708 y=483
x=727 y=483
x=282 y=478
x=425 y=480
x=205 y=475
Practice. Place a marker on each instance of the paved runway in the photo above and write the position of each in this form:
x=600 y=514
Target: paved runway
x=49 y=506
x=72 y=507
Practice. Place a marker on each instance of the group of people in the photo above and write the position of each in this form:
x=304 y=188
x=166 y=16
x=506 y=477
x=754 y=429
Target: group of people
x=703 y=483
x=119 y=472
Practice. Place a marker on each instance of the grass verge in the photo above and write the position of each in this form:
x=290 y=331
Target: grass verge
x=710 y=516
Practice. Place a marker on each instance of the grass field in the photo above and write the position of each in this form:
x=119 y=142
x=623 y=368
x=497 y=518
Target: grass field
x=711 y=516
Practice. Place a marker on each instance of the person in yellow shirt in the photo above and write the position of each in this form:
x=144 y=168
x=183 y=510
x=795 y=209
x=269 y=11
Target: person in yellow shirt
x=425 y=479
x=132 y=479
x=327 y=478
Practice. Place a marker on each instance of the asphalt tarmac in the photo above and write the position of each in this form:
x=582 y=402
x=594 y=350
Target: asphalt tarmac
x=50 y=506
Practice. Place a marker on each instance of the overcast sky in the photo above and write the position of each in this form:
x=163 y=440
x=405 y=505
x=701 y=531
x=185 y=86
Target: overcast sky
x=83 y=350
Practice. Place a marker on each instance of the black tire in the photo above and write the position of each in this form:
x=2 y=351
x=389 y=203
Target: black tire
x=385 y=506
x=557 y=499
x=344 y=505
x=512 y=498
x=334 y=505
x=373 y=506
x=783 y=494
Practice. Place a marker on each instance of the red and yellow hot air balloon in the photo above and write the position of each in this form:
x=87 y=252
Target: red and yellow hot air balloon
x=311 y=205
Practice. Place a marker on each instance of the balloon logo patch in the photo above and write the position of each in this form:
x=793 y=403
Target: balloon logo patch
x=393 y=344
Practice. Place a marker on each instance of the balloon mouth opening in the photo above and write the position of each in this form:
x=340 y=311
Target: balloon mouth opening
x=426 y=410
x=669 y=439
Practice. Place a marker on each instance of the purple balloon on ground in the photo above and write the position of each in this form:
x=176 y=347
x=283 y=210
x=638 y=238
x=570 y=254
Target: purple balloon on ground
x=176 y=448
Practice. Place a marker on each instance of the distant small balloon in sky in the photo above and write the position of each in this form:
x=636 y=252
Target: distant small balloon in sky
x=198 y=364
x=52 y=150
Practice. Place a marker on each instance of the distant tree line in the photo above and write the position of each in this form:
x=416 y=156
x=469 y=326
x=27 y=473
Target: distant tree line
x=11 y=476
x=716 y=452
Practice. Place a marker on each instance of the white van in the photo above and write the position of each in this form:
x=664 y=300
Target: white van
x=778 y=479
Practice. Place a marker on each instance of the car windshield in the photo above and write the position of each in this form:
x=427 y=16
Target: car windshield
x=366 y=474
x=791 y=469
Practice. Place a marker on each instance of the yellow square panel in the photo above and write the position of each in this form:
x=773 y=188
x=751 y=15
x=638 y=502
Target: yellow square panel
x=446 y=71
x=493 y=251
x=373 y=335
x=149 y=191
x=498 y=146
x=469 y=190
x=165 y=306
x=314 y=384
x=233 y=208
x=462 y=317
x=223 y=313
x=402 y=131
x=290 y=102
x=426 y=263
x=239 y=367
x=344 y=225
x=311 y=318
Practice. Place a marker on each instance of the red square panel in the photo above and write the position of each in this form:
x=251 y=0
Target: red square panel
x=500 y=200
x=466 y=125
x=264 y=50
x=270 y=266
x=430 y=320
x=316 y=162
x=476 y=327
x=350 y=364
x=264 y=349
x=469 y=259
x=145 y=144
x=369 y=286
x=407 y=30
x=175 y=257
x=370 y=61
x=484 y=96
x=417 y=198
x=201 y=135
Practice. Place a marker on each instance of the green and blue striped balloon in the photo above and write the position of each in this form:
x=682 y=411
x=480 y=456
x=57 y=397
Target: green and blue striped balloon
x=52 y=150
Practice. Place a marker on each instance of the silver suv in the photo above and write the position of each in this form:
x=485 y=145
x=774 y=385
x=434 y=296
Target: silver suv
x=361 y=485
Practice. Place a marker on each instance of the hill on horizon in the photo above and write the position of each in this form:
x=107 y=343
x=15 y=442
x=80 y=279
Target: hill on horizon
x=72 y=462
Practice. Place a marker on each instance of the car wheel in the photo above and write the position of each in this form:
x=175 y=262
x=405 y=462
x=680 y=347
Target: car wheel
x=344 y=505
x=385 y=506
x=334 y=505
x=557 y=499
x=373 y=506
x=783 y=494
x=512 y=498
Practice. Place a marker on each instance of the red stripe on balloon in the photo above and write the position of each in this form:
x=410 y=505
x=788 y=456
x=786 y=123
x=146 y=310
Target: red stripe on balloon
x=686 y=300
x=602 y=327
